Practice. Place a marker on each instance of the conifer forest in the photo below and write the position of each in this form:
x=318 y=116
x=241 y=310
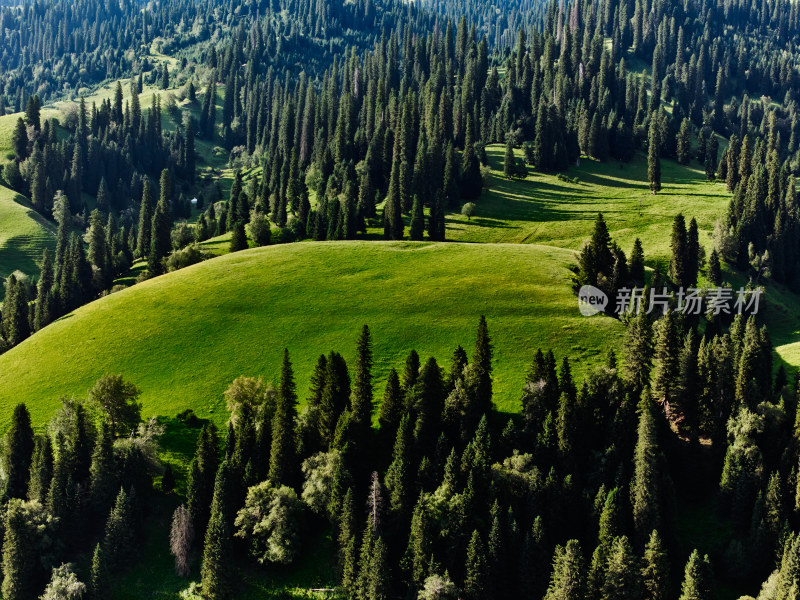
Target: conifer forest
x=399 y=300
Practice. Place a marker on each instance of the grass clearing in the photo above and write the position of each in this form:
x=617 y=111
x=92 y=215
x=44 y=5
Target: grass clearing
x=543 y=209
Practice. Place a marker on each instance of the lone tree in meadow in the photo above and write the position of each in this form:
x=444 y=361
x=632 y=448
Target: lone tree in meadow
x=468 y=210
x=117 y=398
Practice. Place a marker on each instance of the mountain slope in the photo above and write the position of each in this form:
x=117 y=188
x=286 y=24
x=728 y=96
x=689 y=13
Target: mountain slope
x=234 y=314
x=23 y=235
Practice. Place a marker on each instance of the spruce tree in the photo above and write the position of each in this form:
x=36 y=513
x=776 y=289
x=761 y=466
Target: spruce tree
x=568 y=577
x=417 y=227
x=19 y=554
x=103 y=476
x=160 y=242
x=482 y=367
x=655 y=572
x=679 y=267
x=282 y=454
x=636 y=265
x=714 y=269
x=218 y=566
x=41 y=469
x=654 y=156
x=145 y=221
x=18 y=453
x=622 y=580
x=238 y=237
x=120 y=534
x=361 y=397
x=99 y=584
x=476 y=584
x=698 y=578
x=19 y=140
x=647 y=490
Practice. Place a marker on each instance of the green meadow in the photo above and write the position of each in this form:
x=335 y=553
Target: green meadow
x=233 y=315
x=543 y=209
x=23 y=235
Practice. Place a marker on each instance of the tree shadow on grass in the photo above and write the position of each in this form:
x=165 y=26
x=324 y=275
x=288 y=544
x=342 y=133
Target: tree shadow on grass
x=595 y=179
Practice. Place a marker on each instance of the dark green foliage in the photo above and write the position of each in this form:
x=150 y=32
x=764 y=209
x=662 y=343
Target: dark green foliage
x=119 y=542
x=18 y=453
x=238 y=237
x=698 y=579
x=99 y=585
x=217 y=571
x=282 y=455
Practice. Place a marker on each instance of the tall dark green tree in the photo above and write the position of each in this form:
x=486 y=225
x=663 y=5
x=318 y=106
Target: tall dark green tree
x=18 y=453
x=282 y=455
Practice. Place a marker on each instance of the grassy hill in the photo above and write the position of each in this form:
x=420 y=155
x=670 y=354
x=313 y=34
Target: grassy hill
x=23 y=235
x=234 y=314
x=544 y=209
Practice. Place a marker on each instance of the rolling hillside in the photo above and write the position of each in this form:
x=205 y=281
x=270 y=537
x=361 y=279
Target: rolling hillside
x=23 y=235
x=234 y=314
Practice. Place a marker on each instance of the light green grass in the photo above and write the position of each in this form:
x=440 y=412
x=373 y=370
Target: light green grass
x=182 y=338
x=545 y=210
x=24 y=234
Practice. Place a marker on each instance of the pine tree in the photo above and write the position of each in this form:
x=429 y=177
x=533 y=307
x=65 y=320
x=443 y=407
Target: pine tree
x=18 y=453
x=19 y=554
x=282 y=454
x=417 y=227
x=45 y=309
x=190 y=157
x=99 y=584
x=145 y=221
x=218 y=567
x=568 y=578
x=636 y=265
x=361 y=397
x=711 y=157
x=41 y=469
x=621 y=577
x=120 y=534
x=202 y=473
x=654 y=156
x=102 y=473
x=392 y=405
x=392 y=212
x=655 y=572
x=16 y=326
x=509 y=162
x=398 y=476
x=667 y=350
x=19 y=140
x=684 y=142
x=647 y=491
x=714 y=269
x=238 y=237
x=679 y=267
x=698 y=579
x=482 y=367
x=160 y=242
x=476 y=582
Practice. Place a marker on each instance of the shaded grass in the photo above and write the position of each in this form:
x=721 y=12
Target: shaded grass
x=24 y=234
x=545 y=210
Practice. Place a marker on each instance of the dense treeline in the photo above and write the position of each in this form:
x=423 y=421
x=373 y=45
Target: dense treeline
x=574 y=498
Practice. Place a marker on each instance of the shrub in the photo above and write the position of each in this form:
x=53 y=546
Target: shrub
x=183 y=258
x=468 y=210
x=182 y=236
